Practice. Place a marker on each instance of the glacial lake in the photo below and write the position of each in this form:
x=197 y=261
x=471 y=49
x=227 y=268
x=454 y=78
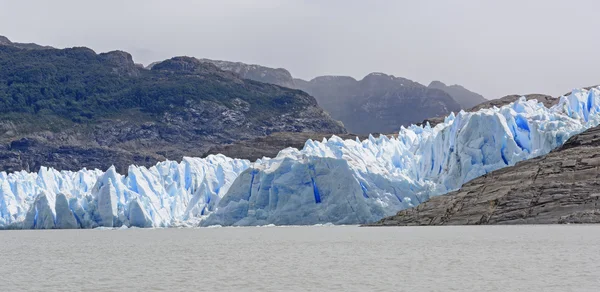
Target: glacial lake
x=327 y=258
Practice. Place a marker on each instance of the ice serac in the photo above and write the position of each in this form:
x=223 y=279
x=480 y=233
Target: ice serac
x=64 y=216
x=335 y=180
x=107 y=205
x=138 y=216
x=41 y=214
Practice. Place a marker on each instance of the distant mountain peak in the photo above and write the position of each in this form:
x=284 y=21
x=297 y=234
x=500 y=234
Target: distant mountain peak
x=277 y=76
x=466 y=98
x=436 y=83
x=192 y=66
x=327 y=78
x=378 y=103
x=122 y=62
x=4 y=41
x=378 y=74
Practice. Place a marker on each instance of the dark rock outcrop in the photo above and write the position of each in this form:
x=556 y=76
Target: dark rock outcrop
x=122 y=63
x=560 y=187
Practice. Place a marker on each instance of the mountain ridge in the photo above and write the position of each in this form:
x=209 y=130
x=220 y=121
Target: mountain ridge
x=60 y=105
x=356 y=103
x=378 y=103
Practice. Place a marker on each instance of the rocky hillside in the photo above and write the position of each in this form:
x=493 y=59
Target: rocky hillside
x=378 y=103
x=463 y=96
x=73 y=108
x=560 y=187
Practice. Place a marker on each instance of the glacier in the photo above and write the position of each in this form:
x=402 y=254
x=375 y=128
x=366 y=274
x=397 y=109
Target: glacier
x=332 y=181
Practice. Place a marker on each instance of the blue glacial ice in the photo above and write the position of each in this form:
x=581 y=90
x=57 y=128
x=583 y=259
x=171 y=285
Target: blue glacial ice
x=335 y=180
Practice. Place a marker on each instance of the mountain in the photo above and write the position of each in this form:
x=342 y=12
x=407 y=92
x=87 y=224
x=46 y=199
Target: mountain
x=73 y=108
x=463 y=96
x=279 y=76
x=560 y=187
x=378 y=103
x=335 y=180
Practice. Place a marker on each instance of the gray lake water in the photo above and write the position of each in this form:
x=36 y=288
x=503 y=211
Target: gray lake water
x=492 y=258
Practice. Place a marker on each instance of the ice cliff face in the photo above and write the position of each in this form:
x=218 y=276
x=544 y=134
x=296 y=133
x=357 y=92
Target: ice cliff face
x=168 y=194
x=338 y=181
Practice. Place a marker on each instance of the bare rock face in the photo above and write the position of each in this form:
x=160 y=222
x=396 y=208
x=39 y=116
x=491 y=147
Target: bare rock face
x=560 y=187
x=122 y=63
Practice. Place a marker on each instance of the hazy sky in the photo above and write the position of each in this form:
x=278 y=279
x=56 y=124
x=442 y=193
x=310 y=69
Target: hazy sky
x=491 y=47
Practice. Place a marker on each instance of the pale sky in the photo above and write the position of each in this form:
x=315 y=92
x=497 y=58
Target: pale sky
x=492 y=47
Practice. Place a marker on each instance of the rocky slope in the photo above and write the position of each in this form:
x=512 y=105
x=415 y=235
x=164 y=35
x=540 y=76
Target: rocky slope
x=73 y=108
x=560 y=187
x=378 y=103
x=463 y=96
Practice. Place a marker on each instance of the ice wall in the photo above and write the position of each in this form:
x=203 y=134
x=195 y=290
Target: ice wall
x=350 y=182
x=167 y=194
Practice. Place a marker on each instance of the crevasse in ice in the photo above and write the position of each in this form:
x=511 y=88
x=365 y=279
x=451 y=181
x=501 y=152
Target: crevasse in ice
x=338 y=181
